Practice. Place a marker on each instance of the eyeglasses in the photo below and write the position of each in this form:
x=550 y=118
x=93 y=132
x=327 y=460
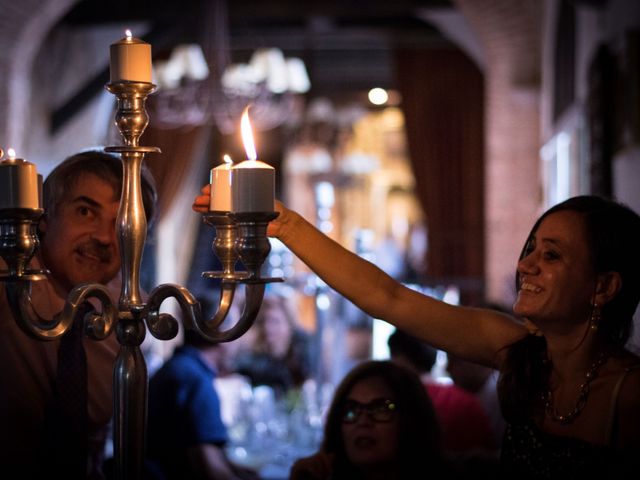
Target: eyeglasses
x=379 y=410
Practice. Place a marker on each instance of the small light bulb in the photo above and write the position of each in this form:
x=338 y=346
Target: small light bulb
x=378 y=96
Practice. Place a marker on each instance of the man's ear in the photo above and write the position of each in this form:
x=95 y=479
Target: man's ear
x=607 y=287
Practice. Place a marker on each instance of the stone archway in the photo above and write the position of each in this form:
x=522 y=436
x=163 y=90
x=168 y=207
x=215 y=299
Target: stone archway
x=23 y=27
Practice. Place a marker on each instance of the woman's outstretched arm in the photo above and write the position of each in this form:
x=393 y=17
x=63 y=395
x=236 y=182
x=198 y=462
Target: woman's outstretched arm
x=475 y=334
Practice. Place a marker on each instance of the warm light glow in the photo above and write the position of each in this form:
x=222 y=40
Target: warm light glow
x=227 y=159
x=11 y=153
x=128 y=34
x=378 y=96
x=247 y=136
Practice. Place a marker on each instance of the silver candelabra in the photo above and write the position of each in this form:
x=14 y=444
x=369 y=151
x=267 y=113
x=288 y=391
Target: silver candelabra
x=239 y=236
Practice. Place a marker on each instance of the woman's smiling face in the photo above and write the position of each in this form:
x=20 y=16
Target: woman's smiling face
x=556 y=275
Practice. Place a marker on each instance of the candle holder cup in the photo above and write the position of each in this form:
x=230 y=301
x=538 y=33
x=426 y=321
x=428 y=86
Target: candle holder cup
x=131 y=115
x=240 y=236
x=223 y=246
x=19 y=242
x=252 y=244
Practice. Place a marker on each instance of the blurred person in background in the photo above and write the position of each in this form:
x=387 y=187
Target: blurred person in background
x=186 y=434
x=380 y=425
x=280 y=355
x=467 y=438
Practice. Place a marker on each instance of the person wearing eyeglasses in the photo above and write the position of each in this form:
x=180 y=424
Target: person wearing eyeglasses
x=380 y=425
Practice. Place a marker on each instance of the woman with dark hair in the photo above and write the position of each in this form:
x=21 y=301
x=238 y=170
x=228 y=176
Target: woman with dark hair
x=380 y=425
x=280 y=354
x=569 y=389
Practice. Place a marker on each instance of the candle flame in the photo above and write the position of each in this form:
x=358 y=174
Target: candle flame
x=247 y=135
x=128 y=34
x=227 y=159
x=11 y=153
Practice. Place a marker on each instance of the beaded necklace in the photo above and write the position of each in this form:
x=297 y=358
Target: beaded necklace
x=585 y=388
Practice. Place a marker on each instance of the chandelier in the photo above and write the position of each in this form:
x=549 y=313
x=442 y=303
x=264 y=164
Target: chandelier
x=199 y=85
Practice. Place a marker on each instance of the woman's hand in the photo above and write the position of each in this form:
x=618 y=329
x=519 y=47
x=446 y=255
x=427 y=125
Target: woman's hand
x=201 y=202
x=275 y=228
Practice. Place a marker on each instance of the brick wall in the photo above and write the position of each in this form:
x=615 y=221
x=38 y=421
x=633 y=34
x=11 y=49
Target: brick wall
x=510 y=34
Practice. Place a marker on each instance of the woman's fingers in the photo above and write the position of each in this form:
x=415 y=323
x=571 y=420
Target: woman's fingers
x=201 y=205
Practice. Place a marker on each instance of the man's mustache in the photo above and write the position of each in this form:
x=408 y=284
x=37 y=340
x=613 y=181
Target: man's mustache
x=96 y=249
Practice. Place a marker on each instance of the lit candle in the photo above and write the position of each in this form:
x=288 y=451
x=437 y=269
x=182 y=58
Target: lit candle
x=253 y=181
x=220 y=199
x=130 y=60
x=20 y=184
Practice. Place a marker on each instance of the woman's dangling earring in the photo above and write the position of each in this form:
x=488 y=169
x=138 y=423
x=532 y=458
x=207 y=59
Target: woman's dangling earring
x=594 y=321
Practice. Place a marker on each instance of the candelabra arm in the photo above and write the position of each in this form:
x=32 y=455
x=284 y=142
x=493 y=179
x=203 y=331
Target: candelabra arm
x=19 y=298
x=209 y=329
x=97 y=325
x=163 y=325
x=227 y=294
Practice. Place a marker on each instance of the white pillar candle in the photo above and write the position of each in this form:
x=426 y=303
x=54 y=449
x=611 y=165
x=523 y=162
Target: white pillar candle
x=20 y=186
x=130 y=60
x=220 y=179
x=252 y=181
x=253 y=187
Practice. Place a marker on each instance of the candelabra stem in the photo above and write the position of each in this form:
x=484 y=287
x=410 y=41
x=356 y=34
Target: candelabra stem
x=131 y=228
x=130 y=373
x=130 y=381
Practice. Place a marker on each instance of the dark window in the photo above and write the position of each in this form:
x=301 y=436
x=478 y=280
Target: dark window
x=564 y=61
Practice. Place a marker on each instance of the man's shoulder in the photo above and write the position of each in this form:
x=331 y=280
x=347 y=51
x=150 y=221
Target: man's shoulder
x=183 y=364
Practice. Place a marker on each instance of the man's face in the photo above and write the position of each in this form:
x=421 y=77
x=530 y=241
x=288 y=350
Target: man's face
x=79 y=243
